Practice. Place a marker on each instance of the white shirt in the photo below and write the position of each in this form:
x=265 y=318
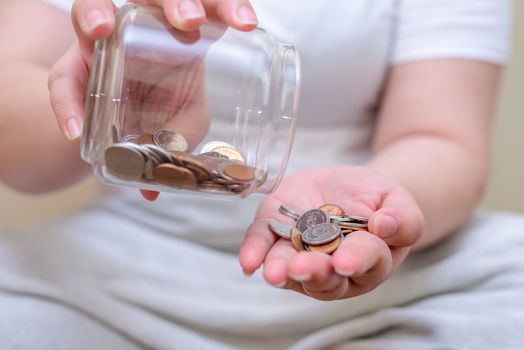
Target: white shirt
x=346 y=48
x=146 y=270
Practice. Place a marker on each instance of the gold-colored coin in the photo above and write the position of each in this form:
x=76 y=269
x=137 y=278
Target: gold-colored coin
x=174 y=176
x=328 y=248
x=332 y=210
x=230 y=153
x=296 y=239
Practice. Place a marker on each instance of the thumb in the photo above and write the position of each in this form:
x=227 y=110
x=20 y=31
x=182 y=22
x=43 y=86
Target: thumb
x=399 y=221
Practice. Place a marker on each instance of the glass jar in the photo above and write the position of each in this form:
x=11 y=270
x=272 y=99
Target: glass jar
x=211 y=111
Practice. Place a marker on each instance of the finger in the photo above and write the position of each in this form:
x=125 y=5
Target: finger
x=259 y=239
x=365 y=259
x=236 y=13
x=276 y=263
x=399 y=221
x=67 y=83
x=315 y=272
x=92 y=20
x=150 y=195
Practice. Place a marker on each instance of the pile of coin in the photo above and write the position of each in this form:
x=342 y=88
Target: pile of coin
x=319 y=230
x=162 y=158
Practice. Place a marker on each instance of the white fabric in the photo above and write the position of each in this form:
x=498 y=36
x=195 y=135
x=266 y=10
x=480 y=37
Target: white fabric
x=127 y=274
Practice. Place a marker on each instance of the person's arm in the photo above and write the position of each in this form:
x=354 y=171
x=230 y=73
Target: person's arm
x=432 y=136
x=427 y=172
x=34 y=155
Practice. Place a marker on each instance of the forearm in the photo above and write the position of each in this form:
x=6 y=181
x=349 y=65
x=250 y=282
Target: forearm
x=446 y=178
x=34 y=154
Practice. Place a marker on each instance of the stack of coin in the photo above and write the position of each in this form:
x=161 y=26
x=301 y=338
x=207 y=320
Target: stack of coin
x=320 y=230
x=162 y=158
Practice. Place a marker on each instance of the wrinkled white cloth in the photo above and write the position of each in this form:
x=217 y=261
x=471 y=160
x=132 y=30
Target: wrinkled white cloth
x=76 y=286
x=128 y=274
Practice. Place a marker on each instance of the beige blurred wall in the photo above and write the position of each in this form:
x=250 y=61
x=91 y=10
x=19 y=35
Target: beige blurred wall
x=506 y=188
x=505 y=191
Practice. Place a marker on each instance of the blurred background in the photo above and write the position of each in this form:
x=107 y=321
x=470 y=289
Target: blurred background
x=505 y=191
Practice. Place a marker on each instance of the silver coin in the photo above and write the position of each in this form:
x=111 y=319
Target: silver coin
x=151 y=155
x=130 y=138
x=349 y=218
x=362 y=219
x=289 y=212
x=353 y=225
x=170 y=141
x=148 y=170
x=162 y=154
x=125 y=161
x=321 y=234
x=281 y=229
x=212 y=145
x=311 y=218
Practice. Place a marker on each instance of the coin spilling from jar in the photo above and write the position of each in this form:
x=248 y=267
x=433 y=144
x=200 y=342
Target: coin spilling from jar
x=318 y=230
x=163 y=158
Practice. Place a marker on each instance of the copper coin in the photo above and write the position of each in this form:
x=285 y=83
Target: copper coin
x=311 y=218
x=238 y=172
x=321 y=234
x=174 y=176
x=145 y=139
x=326 y=248
x=332 y=210
x=125 y=161
x=296 y=239
x=281 y=229
x=179 y=157
x=199 y=173
x=352 y=226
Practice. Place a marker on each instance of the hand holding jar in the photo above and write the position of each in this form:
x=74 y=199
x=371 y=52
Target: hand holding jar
x=170 y=109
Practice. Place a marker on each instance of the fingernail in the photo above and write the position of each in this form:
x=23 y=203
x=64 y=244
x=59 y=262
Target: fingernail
x=300 y=278
x=247 y=16
x=247 y=274
x=73 y=129
x=189 y=10
x=385 y=226
x=344 y=273
x=281 y=284
x=96 y=18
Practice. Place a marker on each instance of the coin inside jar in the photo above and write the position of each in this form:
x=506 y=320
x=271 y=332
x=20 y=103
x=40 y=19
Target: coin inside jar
x=145 y=139
x=174 y=176
x=125 y=162
x=230 y=153
x=238 y=172
x=170 y=141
